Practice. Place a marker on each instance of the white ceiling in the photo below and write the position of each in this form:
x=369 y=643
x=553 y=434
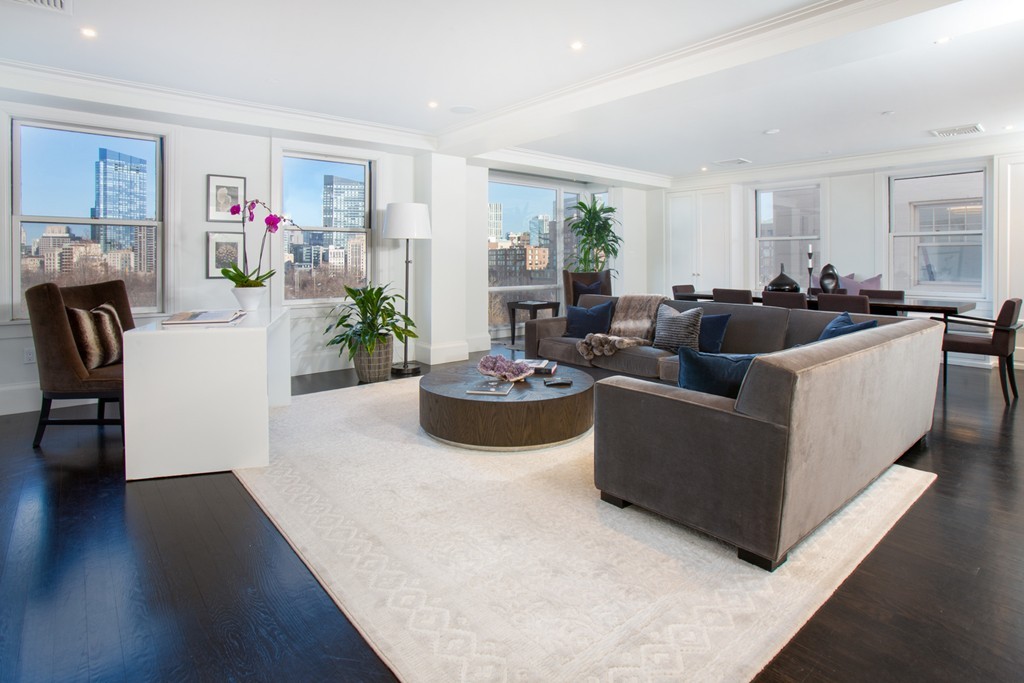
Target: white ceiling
x=661 y=86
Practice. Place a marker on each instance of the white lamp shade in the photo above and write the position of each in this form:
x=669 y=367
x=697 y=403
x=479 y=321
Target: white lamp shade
x=406 y=221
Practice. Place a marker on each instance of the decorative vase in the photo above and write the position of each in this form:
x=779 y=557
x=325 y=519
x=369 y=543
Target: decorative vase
x=249 y=298
x=782 y=282
x=376 y=366
x=828 y=280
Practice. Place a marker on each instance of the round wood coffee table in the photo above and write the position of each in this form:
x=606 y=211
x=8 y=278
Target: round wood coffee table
x=530 y=416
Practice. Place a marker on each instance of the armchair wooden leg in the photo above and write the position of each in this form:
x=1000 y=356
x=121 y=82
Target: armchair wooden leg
x=1002 y=379
x=44 y=416
x=1010 y=373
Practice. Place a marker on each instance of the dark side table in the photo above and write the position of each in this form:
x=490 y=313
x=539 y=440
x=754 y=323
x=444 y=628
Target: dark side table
x=532 y=307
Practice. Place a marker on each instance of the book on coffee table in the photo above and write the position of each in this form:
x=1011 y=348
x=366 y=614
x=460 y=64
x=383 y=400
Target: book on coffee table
x=204 y=317
x=535 y=362
x=549 y=369
x=490 y=387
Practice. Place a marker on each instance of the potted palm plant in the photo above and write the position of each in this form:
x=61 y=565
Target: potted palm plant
x=366 y=325
x=593 y=225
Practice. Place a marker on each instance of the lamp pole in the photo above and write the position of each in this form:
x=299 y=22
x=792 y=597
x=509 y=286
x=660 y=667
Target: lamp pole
x=405 y=369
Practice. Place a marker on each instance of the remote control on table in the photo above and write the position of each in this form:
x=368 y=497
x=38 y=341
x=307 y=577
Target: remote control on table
x=558 y=382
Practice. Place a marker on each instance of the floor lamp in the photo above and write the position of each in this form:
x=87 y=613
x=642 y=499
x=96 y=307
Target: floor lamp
x=406 y=221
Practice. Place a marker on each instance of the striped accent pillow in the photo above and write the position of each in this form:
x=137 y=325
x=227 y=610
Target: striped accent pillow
x=97 y=334
x=677 y=328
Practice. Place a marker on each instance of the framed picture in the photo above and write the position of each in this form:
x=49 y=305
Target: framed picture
x=222 y=249
x=223 y=192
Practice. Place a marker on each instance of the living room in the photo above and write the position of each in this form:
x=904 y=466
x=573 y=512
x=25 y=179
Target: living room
x=685 y=197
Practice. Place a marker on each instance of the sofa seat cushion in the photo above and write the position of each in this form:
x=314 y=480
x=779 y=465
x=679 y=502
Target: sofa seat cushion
x=640 y=361
x=561 y=350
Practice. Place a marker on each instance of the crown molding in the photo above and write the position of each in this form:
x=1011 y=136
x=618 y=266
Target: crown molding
x=568 y=168
x=35 y=84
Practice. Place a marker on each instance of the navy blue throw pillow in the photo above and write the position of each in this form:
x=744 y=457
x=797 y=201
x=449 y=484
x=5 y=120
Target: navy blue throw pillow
x=843 y=324
x=579 y=289
x=583 y=321
x=713 y=373
x=712 y=332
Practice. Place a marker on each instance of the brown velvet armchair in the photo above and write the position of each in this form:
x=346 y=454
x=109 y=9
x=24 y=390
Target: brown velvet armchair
x=572 y=294
x=62 y=372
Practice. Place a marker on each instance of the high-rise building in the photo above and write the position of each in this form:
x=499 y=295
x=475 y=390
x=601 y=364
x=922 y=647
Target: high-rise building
x=344 y=203
x=495 y=227
x=121 y=193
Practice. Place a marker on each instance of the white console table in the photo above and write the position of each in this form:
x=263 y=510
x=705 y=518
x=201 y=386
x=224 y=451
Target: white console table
x=197 y=398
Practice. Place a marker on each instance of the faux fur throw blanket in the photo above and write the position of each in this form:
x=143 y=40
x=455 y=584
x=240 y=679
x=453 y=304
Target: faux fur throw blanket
x=633 y=324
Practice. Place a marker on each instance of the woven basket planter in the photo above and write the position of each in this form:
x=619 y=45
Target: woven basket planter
x=376 y=366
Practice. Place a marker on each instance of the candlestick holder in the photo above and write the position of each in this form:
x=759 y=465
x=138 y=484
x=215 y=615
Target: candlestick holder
x=810 y=269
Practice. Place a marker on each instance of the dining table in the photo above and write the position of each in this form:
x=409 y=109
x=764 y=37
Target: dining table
x=910 y=304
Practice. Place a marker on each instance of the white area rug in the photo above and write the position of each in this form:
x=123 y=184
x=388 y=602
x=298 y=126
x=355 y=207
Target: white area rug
x=481 y=566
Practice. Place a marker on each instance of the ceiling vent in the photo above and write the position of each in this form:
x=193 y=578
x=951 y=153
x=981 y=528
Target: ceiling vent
x=739 y=161
x=969 y=129
x=62 y=6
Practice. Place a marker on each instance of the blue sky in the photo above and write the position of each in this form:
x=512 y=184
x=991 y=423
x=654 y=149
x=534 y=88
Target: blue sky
x=520 y=203
x=304 y=187
x=58 y=176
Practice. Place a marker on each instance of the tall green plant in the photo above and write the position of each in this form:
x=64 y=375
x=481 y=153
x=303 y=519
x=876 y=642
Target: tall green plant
x=594 y=228
x=367 y=318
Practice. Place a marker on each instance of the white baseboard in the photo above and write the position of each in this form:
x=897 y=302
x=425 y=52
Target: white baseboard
x=479 y=343
x=435 y=354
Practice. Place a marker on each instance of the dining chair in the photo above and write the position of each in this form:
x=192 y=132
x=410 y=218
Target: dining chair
x=784 y=299
x=850 y=303
x=815 y=291
x=77 y=335
x=680 y=292
x=732 y=296
x=1000 y=343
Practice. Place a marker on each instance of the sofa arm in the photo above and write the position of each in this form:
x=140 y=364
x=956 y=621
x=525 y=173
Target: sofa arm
x=690 y=457
x=539 y=328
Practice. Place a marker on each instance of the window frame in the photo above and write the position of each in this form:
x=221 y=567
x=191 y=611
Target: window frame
x=985 y=232
x=368 y=231
x=561 y=187
x=819 y=240
x=15 y=312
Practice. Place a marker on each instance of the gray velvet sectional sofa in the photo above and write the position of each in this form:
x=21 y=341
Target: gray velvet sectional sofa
x=813 y=423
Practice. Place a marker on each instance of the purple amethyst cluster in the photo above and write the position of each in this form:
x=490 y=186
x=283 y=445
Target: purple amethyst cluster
x=503 y=368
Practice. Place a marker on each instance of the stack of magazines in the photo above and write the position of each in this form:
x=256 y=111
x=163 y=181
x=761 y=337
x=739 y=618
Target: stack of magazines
x=204 y=317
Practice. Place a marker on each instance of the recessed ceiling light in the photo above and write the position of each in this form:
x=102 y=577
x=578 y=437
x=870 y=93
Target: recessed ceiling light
x=89 y=32
x=943 y=40
x=772 y=131
x=576 y=45
x=432 y=104
x=703 y=168
x=1008 y=127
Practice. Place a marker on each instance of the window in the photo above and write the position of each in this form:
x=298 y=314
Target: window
x=330 y=200
x=937 y=229
x=87 y=208
x=788 y=222
x=527 y=243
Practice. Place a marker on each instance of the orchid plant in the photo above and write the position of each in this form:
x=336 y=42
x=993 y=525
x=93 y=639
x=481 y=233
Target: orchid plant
x=243 y=277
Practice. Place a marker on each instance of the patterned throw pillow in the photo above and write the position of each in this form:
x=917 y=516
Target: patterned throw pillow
x=97 y=334
x=674 y=329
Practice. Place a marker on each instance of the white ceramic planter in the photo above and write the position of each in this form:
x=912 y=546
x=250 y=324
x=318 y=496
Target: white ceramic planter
x=249 y=298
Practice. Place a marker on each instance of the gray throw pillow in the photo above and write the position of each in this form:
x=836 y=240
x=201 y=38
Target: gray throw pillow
x=674 y=329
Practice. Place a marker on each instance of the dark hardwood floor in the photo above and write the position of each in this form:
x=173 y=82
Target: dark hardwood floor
x=186 y=579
